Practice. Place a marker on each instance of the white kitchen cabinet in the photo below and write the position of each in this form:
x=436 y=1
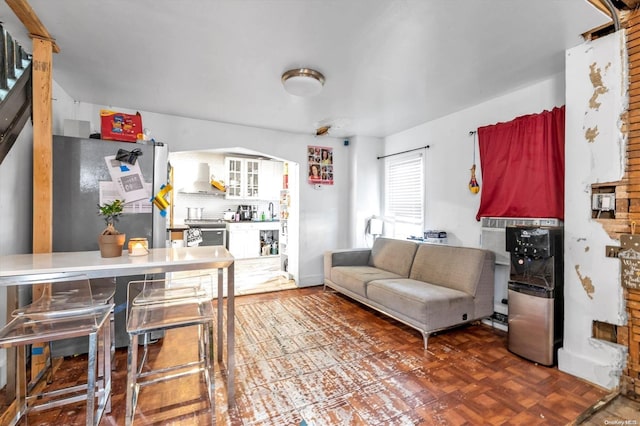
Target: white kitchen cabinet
x=243 y=178
x=244 y=240
x=271 y=179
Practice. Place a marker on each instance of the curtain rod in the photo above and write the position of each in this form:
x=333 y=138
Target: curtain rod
x=404 y=152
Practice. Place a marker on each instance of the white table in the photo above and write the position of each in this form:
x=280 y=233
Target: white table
x=27 y=269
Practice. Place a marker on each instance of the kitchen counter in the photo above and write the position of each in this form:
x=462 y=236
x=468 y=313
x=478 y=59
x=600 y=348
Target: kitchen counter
x=253 y=221
x=177 y=228
x=245 y=237
x=251 y=224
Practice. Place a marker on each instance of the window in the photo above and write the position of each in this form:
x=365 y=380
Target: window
x=404 y=195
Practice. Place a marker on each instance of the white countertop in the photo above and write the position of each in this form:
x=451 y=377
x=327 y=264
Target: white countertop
x=21 y=268
x=254 y=224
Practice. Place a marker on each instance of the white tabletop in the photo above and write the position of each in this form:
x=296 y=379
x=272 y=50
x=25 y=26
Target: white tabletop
x=25 y=268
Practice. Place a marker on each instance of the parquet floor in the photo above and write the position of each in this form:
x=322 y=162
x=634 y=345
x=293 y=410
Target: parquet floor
x=310 y=357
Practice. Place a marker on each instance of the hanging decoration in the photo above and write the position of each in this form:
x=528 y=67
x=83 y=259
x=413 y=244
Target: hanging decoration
x=474 y=187
x=320 y=165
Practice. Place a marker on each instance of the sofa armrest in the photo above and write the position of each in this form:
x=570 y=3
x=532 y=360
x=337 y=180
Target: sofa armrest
x=346 y=257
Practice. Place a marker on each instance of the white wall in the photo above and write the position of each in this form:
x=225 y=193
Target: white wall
x=323 y=214
x=592 y=281
x=16 y=200
x=450 y=206
x=366 y=189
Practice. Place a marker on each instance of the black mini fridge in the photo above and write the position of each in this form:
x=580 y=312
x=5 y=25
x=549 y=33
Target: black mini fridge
x=535 y=295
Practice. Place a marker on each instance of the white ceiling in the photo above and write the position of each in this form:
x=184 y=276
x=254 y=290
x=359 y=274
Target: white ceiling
x=389 y=64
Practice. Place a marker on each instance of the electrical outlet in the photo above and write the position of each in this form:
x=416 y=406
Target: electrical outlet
x=612 y=251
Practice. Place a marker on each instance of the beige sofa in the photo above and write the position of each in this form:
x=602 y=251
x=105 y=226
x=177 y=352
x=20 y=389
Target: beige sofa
x=429 y=287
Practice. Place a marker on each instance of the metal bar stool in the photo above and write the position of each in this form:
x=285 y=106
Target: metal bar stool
x=160 y=305
x=65 y=310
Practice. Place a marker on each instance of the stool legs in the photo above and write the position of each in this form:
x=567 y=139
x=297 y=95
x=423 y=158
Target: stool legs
x=209 y=370
x=205 y=356
x=132 y=372
x=106 y=353
x=98 y=384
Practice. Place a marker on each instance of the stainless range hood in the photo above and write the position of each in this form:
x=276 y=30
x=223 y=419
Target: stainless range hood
x=202 y=184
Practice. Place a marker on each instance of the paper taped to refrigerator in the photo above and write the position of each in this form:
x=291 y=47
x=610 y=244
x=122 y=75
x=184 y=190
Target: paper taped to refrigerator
x=109 y=193
x=128 y=180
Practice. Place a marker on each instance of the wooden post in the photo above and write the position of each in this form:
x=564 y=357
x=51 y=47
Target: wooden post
x=42 y=168
x=42 y=68
x=42 y=146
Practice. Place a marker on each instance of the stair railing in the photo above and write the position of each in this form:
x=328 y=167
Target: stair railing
x=15 y=91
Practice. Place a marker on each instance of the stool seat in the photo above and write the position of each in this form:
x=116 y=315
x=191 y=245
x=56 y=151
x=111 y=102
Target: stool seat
x=68 y=298
x=55 y=325
x=63 y=300
x=167 y=316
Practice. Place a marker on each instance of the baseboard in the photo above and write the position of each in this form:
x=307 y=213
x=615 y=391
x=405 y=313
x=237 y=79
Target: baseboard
x=495 y=324
x=311 y=280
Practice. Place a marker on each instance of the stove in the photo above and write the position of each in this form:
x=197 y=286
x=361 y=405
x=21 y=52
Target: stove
x=206 y=232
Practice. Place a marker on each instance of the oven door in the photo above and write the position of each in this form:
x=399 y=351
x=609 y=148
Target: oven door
x=214 y=237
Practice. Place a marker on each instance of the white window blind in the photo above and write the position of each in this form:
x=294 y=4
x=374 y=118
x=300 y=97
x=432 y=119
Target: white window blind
x=404 y=189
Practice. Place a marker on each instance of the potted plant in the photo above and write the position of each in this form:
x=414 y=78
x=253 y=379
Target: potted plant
x=111 y=240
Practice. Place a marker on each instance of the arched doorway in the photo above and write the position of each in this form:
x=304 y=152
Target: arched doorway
x=266 y=246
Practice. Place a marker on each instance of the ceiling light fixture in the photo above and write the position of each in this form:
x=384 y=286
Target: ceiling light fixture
x=303 y=81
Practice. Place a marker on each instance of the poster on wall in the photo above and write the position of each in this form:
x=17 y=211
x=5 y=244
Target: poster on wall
x=320 y=165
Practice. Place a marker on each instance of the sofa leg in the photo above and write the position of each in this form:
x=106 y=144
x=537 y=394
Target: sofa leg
x=425 y=338
x=326 y=288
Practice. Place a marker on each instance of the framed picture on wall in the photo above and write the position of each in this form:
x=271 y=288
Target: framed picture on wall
x=320 y=165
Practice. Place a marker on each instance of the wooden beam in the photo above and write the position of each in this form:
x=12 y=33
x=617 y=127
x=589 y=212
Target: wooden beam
x=42 y=91
x=42 y=71
x=631 y=4
x=42 y=145
x=32 y=23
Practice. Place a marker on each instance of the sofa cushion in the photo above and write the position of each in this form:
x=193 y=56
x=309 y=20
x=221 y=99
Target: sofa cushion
x=432 y=305
x=355 y=278
x=457 y=268
x=393 y=255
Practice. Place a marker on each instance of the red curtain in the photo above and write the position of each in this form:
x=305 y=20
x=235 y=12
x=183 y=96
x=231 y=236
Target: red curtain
x=523 y=167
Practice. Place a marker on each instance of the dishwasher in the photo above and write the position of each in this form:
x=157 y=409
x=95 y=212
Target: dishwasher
x=535 y=292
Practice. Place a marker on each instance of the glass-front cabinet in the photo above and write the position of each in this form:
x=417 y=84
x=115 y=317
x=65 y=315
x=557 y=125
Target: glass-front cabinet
x=234 y=177
x=243 y=178
x=252 y=179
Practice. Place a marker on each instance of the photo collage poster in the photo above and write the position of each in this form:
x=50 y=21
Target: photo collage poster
x=320 y=168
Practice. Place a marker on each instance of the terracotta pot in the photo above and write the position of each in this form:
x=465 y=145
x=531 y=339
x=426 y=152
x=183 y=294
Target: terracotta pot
x=111 y=245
